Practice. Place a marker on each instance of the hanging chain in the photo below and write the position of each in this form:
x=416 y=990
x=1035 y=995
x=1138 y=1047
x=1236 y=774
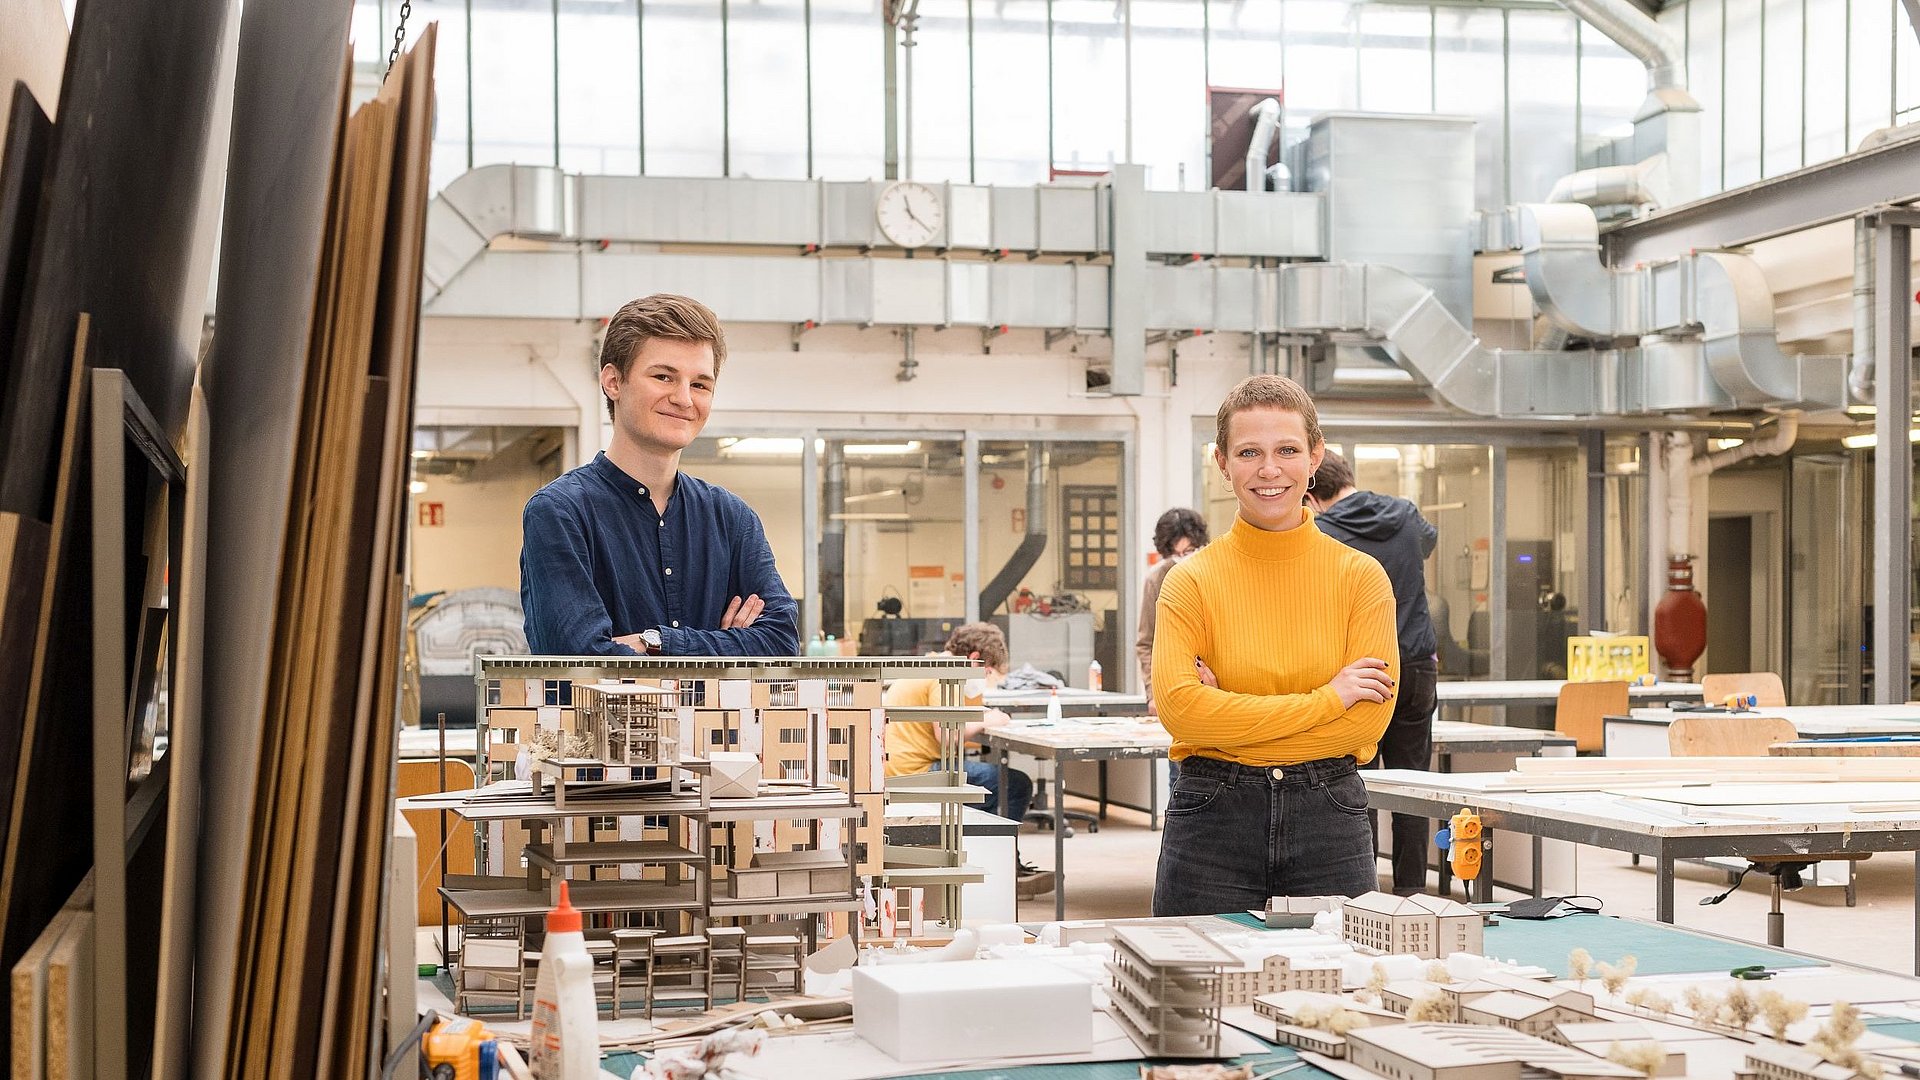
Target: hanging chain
x=399 y=35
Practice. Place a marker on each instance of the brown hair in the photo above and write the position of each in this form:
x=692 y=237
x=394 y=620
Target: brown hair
x=662 y=315
x=983 y=638
x=1267 y=392
x=1333 y=477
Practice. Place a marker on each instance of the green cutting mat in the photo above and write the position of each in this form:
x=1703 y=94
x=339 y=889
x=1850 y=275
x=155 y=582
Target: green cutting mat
x=1660 y=949
x=1894 y=1027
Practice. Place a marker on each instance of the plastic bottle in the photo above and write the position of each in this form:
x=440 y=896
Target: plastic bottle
x=1093 y=676
x=831 y=648
x=814 y=643
x=1053 y=706
x=566 y=1021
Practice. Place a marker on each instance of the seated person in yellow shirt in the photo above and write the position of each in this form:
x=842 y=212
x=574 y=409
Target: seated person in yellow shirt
x=915 y=748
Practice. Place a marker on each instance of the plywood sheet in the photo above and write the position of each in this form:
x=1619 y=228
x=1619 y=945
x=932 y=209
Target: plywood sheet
x=1777 y=794
x=23 y=166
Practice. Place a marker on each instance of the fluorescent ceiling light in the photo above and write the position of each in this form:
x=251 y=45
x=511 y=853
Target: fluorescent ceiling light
x=902 y=516
x=1870 y=440
x=1376 y=453
x=1727 y=444
x=882 y=449
x=418 y=487
x=872 y=495
x=761 y=446
x=419 y=455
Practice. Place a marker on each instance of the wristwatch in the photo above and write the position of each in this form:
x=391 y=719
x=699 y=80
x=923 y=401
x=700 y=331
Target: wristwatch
x=650 y=642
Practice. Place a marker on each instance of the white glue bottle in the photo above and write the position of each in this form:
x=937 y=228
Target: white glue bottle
x=566 y=1020
x=1053 y=707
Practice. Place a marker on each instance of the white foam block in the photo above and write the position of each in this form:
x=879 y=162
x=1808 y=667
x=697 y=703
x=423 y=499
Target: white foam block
x=930 y=1012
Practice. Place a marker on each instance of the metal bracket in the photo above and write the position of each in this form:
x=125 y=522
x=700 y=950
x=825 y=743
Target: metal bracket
x=1055 y=337
x=800 y=328
x=987 y=334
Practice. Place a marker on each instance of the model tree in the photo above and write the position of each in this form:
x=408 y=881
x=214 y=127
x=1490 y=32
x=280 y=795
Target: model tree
x=1641 y=997
x=1376 y=982
x=1704 y=1006
x=1579 y=965
x=1431 y=1009
x=1739 y=1008
x=1334 y=1019
x=1834 y=1041
x=1437 y=972
x=1647 y=1057
x=1615 y=977
x=1780 y=1012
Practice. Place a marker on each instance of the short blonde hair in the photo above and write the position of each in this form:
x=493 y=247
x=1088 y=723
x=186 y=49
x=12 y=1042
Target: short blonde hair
x=1267 y=392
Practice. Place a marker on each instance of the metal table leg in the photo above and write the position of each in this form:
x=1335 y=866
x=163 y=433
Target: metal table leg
x=1663 y=879
x=1059 y=844
x=1536 y=867
x=1483 y=886
x=1916 y=913
x=1103 y=789
x=1153 y=800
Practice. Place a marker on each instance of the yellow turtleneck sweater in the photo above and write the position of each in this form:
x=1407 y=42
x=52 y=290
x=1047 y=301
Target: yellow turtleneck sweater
x=1276 y=615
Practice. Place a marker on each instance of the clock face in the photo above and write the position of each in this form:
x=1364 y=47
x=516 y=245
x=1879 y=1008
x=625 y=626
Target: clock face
x=909 y=214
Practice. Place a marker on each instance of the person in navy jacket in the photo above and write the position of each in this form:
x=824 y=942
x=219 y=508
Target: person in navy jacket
x=627 y=554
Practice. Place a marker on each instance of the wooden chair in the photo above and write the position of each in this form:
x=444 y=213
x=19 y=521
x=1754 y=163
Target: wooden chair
x=1765 y=687
x=1727 y=736
x=1753 y=736
x=1580 y=711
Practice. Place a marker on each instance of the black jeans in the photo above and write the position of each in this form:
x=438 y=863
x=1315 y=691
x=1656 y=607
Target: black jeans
x=1239 y=834
x=1408 y=744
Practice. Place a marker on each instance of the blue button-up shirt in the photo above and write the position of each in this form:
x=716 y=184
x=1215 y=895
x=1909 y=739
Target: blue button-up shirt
x=599 y=562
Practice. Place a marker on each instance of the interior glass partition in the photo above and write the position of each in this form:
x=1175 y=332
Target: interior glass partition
x=892 y=542
x=1545 y=553
x=1625 y=536
x=1052 y=555
x=1829 y=524
x=765 y=472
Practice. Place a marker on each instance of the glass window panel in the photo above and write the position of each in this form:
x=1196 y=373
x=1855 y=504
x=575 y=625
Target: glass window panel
x=1626 y=537
x=896 y=532
x=371 y=32
x=1030 y=537
x=1467 y=73
x=1826 y=86
x=1545 y=84
x=1089 y=79
x=1245 y=43
x=1169 y=94
x=1546 y=512
x=767 y=101
x=1825 y=609
x=1742 y=80
x=1396 y=59
x=600 y=88
x=1906 y=67
x=1612 y=86
x=940 y=111
x=1870 y=67
x=449 y=87
x=680 y=65
x=1781 y=119
x=1321 y=65
x=1702 y=31
x=513 y=83
x=1010 y=116
x=849 y=117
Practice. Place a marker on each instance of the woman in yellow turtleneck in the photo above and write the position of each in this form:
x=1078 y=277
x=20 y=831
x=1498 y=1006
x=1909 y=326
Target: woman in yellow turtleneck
x=1297 y=630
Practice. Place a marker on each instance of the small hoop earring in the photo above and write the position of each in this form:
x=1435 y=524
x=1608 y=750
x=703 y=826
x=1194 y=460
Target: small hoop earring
x=1311 y=477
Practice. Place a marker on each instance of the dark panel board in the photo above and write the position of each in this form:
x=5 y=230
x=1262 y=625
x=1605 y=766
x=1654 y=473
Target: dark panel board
x=288 y=89
x=115 y=239
x=23 y=164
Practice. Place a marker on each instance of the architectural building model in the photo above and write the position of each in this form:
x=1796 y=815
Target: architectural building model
x=628 y=724
x=1471 y=1052
x=1425 y=926
x=1166 y=988
x=1241 y=984
x=1297 y=912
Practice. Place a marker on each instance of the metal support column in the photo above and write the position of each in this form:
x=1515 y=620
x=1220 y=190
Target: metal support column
x=1127 y=278
x=970 y=528
x=1892 y=456
x=1593 y=608
x=1497 y=574
x=809 y=529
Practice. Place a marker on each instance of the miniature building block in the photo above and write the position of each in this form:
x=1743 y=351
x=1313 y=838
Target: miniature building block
x=786 y=743
x=1424 y=926
x=1240 y=985
x=1521 y=1012
x=867 y=694
x=732 y=776
x=1470 y=1052
x=1093 y=931
x=855 y=754
x=629 y=724
x=1166 y=989
x=926 y=1012
x=1297 y=912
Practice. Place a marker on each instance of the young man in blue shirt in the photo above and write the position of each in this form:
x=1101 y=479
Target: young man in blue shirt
x=626 y=554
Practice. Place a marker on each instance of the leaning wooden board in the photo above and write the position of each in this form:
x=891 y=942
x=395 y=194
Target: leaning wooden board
x=288 y=82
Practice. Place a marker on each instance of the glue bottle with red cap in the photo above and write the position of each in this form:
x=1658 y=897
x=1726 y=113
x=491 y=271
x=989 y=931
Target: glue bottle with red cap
x=566 y=1020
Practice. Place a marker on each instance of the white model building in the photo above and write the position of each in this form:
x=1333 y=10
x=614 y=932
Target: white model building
x=629 y=724
x=1399 y=996
x=1166 y=989
x=1471 y=1052
x=1778 y=1061
x=1239 y=986
x=1598 y=1037
x=1521 y=1012
x=1425 y=926
x=1297 y=912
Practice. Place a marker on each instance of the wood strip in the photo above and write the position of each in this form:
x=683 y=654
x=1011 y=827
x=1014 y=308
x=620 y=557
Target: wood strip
x=70 y=1004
